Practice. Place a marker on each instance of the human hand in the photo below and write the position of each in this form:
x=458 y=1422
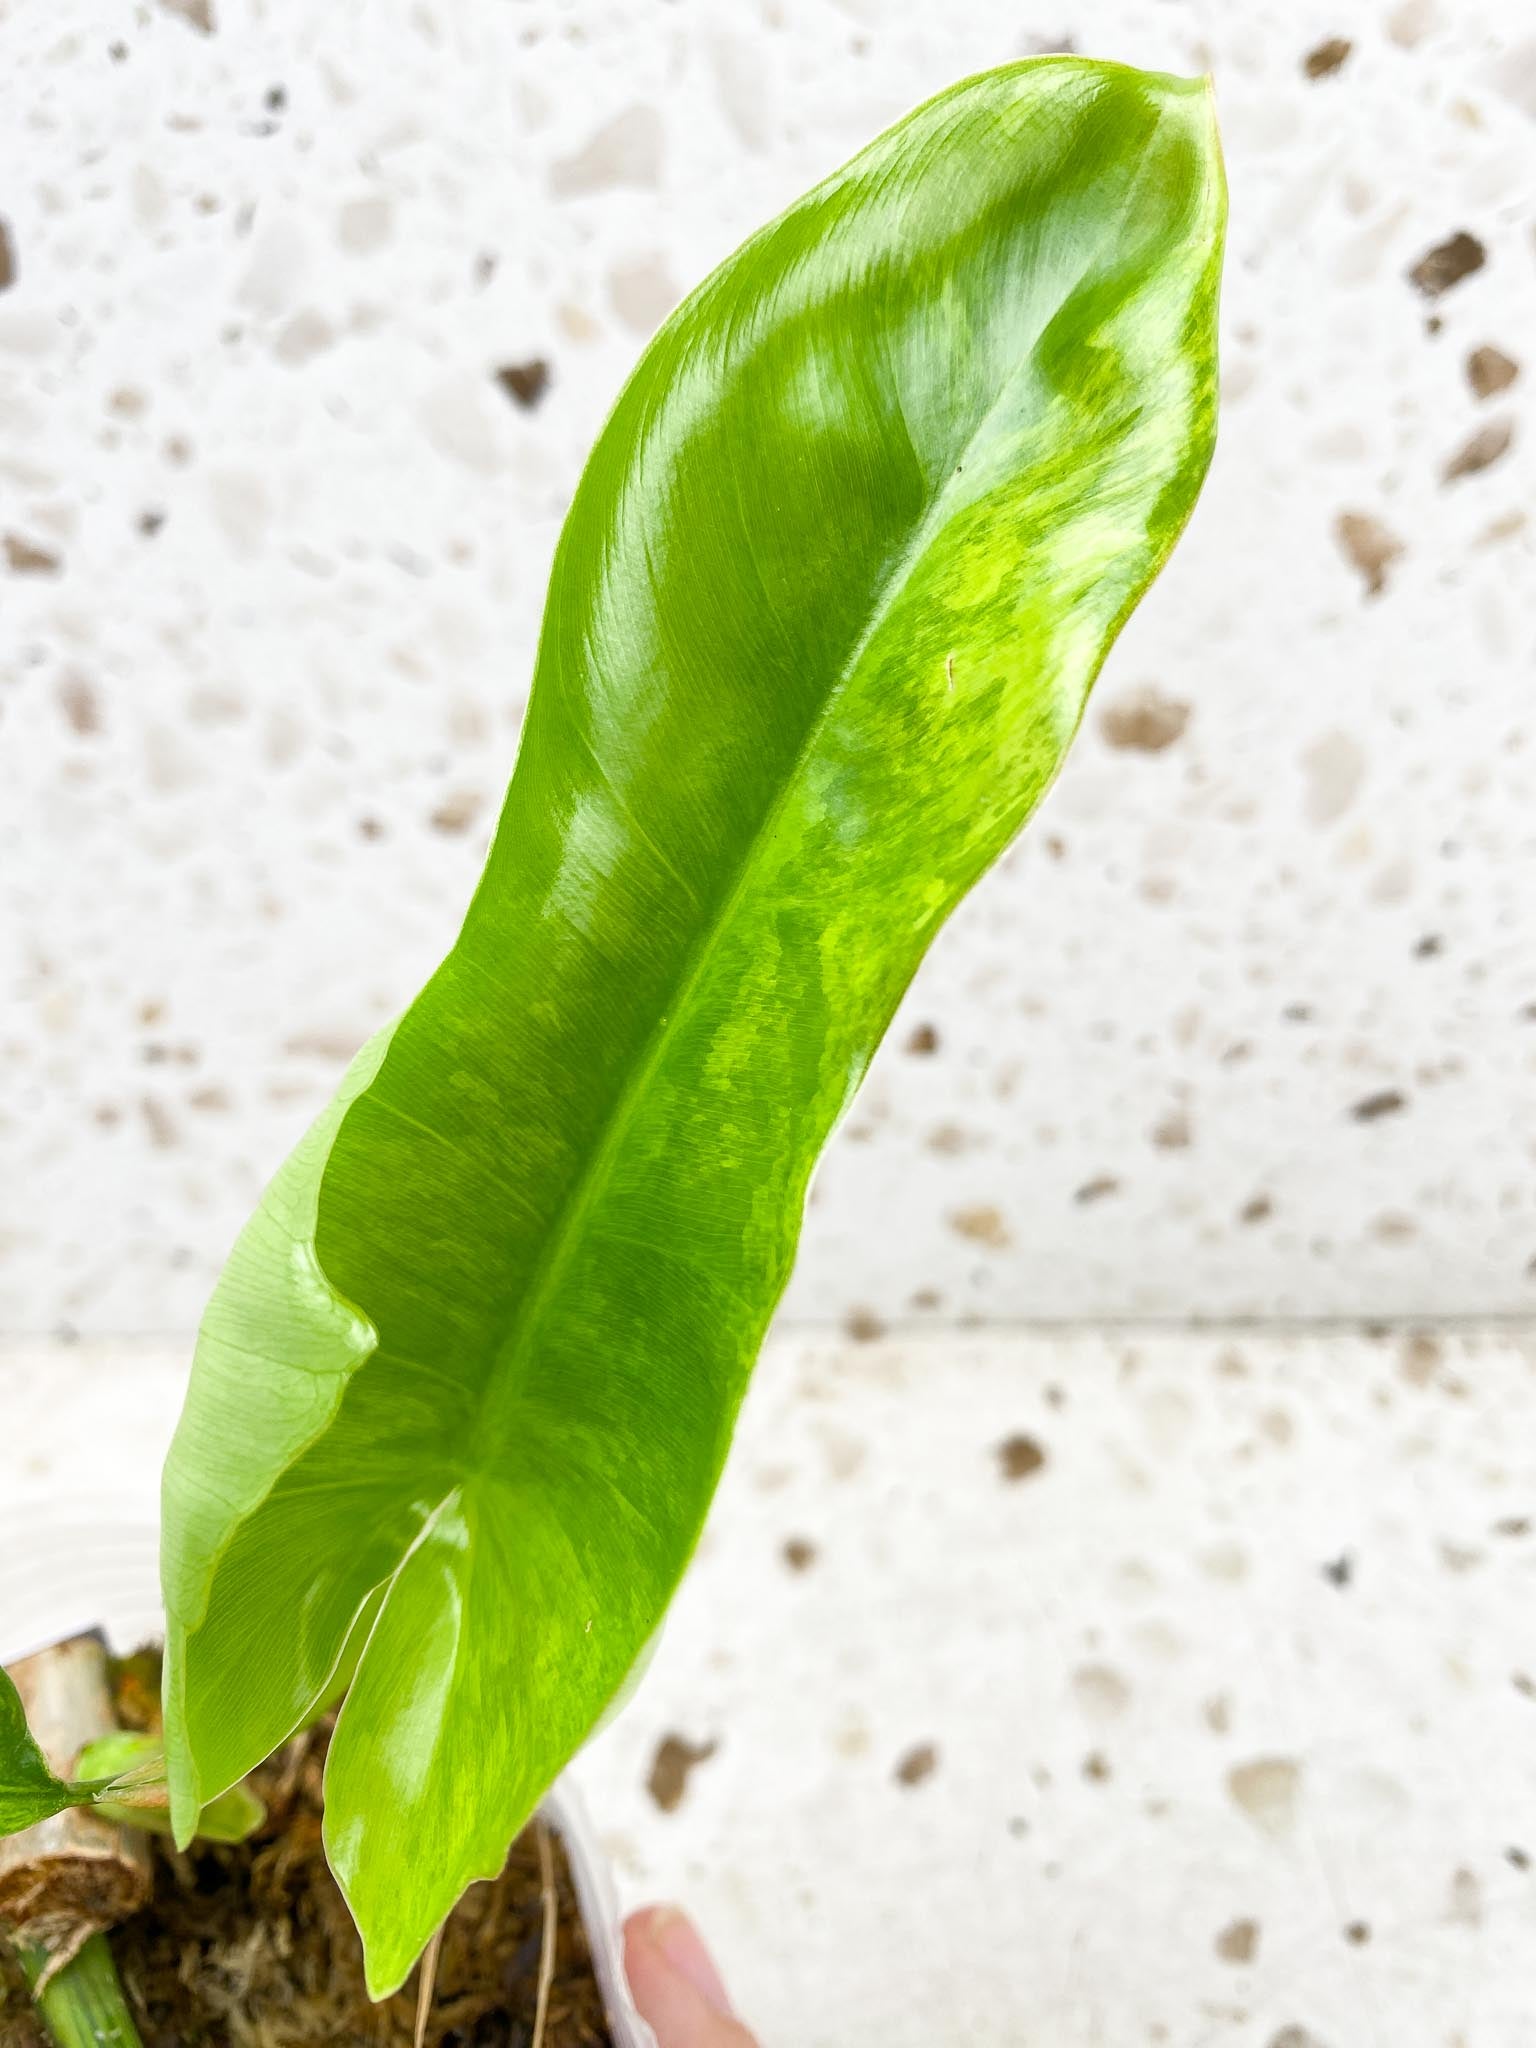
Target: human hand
x=676 y=1986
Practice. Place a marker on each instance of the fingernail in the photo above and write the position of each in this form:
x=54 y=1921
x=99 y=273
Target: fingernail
x=674 y=1935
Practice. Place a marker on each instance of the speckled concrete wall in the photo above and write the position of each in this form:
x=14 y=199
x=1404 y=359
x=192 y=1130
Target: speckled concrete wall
x=309 y=315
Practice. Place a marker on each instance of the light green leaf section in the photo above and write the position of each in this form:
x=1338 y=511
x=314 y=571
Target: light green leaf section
x=822 y=622
x=121 y=1775
x=29 y=1792
x=126 y=1774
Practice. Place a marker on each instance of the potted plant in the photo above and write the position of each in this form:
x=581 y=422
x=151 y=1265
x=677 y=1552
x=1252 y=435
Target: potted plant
x=825 y=612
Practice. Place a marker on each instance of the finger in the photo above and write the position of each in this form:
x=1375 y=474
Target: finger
x=676 y=1985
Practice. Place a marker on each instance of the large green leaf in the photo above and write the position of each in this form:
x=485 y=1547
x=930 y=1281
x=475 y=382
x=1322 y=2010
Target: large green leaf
x=821 y=624
x=29 y=1792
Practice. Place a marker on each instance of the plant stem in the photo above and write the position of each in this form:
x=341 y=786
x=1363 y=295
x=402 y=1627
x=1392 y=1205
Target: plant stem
x=83 y=2005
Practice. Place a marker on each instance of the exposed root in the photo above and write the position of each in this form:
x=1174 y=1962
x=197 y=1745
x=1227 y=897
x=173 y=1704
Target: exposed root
x=547 y=1939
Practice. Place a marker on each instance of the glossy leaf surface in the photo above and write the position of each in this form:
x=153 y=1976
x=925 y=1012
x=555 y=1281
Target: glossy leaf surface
x=821 y=624
x=29 y=1792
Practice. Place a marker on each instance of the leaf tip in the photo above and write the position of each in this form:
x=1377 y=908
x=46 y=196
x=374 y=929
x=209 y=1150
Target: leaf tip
x=181 y=1776
x=386 y=1965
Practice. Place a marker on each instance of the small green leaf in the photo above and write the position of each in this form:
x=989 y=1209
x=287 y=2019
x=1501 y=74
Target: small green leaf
x=821 y=625
x=29 y=1792
x=122 y=1761
x=126 y=1773
x=231 y=1817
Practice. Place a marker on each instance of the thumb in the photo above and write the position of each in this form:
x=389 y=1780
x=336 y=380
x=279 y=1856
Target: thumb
x=676 y=1986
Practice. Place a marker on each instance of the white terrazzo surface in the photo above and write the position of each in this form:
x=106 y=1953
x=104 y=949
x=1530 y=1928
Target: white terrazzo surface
x=1222 y=1717
x=1247 y=1025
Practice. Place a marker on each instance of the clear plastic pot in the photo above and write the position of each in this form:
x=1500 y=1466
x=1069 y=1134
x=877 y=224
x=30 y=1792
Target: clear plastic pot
x=71 y=1569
